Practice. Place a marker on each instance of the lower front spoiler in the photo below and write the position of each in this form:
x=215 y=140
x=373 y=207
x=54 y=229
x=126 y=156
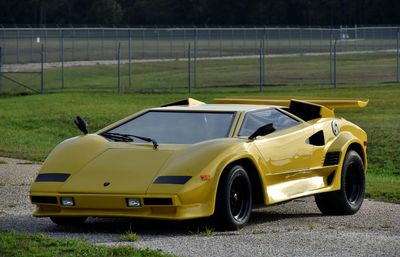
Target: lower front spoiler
x=116 y=206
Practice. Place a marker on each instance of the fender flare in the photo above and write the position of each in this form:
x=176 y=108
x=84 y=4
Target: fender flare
x=342 y=144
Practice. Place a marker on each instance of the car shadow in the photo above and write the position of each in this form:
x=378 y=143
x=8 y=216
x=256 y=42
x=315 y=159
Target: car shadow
x=148 y=227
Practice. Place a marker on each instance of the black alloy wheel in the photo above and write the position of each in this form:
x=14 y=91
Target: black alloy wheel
x=349 y=198
x=234 y=199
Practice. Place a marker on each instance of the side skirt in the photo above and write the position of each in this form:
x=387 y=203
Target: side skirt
x=289 y=185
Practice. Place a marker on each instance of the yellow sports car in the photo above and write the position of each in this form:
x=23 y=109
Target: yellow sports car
x=189 y=159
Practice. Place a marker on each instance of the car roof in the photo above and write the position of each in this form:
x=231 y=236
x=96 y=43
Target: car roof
x=215 y=107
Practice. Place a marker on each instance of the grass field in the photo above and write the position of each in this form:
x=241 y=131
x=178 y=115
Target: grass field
x=36 y=245
x=32 y=125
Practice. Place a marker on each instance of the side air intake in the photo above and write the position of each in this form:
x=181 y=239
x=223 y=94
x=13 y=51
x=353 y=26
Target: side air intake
x=332 y=158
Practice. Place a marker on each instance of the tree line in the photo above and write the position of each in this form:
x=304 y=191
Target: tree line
x=200 y=12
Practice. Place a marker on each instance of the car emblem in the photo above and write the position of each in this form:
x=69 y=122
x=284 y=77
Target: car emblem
x=335 y=128
x=106 y=184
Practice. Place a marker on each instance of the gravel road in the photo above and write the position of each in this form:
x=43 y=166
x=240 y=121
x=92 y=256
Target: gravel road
x=293 y=229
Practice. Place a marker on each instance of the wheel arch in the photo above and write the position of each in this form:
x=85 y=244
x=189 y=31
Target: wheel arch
x=254 y=175
x=358 y=148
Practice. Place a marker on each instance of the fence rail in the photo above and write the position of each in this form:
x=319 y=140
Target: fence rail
x=334 y=49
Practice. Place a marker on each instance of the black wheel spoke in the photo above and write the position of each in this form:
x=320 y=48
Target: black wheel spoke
x=234 y=199
x=353 y=185
x=239 y=199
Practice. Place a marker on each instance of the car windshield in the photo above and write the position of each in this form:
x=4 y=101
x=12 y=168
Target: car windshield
x=178 y=127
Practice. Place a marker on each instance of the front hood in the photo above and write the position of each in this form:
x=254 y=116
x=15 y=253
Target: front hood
x=125 y=170
x=130 y=168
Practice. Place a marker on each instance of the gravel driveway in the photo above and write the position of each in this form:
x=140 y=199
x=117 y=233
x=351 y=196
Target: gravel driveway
x=293 y=229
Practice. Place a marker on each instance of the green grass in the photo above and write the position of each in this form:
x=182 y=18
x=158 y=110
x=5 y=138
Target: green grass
x=32 y=125
x=207 y=232
x=37 y=245
x=130 y=236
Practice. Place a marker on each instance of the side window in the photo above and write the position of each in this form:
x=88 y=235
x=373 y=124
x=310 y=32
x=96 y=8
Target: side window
x=254 y=120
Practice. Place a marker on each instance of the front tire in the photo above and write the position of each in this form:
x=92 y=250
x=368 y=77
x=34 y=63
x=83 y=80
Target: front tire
x=234 y=199
x=348 y=199
x=68 y=221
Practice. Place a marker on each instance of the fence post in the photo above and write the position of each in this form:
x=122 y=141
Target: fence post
x=62 y=58
x=232 y=38
x=143 y=35
x=73 y=35
x=31 y=45
x=41 y=69
x=1 y=78
x=208 y=43
x=188 y=67
x=220 y=42
x=130 y=59
x=195 y=59
x=158 y=43
x=119 y=66
x=102 y=44
x=244 y=40
x=334 y=63
x=261 y=66
x=45 y=46
x=355 y=36
x=87 y=44
x=398 y=55
x=171 y=38
x=17 y=46
x=4 y=44
x=330 y=59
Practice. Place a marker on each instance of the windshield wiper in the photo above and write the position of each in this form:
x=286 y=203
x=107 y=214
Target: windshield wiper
x=117 y=137
x=128 y=138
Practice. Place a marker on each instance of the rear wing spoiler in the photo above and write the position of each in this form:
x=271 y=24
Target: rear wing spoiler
x=330 y=103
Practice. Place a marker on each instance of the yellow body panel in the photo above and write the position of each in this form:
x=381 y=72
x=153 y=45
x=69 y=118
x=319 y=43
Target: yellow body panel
x=287 y=164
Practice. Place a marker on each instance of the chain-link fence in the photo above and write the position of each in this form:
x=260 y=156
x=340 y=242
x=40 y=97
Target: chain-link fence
x=152 y=58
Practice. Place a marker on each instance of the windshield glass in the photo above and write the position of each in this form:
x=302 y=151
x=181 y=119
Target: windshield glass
x=256 y=119
x=178 y=127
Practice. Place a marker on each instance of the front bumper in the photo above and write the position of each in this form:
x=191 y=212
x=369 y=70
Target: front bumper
x=115 y=205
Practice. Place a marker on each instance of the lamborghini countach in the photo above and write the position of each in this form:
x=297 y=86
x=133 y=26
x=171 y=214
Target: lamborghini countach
x=189 y=159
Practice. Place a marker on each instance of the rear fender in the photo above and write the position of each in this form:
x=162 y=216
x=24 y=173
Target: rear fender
x=341 y=144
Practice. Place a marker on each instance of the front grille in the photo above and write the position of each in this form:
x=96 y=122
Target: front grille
x=44 y=199
x=332 y=158
x=157 y=201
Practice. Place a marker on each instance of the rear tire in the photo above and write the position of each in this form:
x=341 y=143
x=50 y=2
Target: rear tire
x=348 y=199
x=68 y=221
x=234 y=199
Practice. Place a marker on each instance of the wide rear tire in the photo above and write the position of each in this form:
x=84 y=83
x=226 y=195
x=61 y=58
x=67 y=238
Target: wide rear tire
x=68 y=221
x=234 y=199
x=348 y=199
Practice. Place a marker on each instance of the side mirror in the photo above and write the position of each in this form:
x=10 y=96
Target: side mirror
x=81 y=124
x=263 y=131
